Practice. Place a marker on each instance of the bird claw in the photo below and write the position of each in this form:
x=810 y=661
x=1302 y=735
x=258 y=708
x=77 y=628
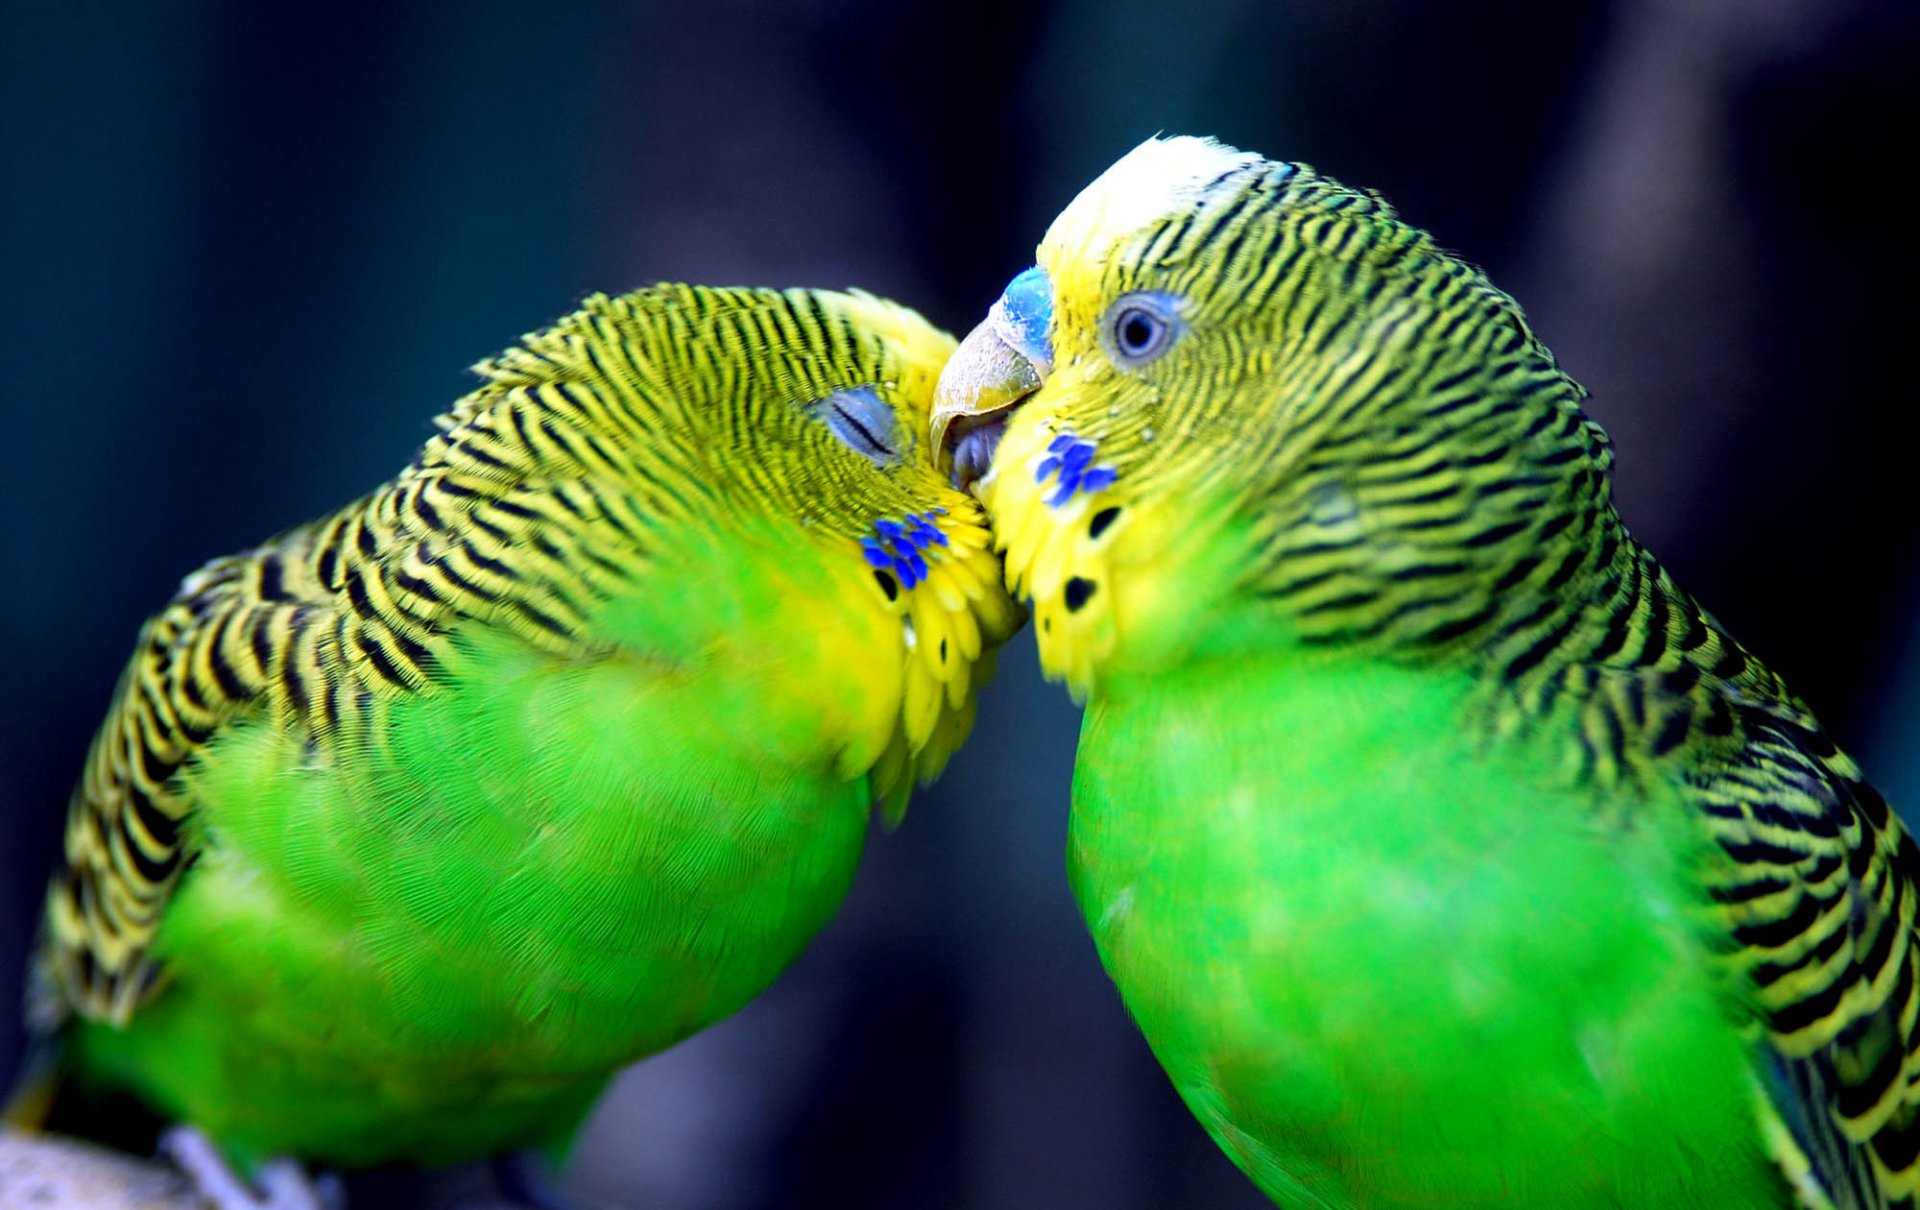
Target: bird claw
x=282 y=1184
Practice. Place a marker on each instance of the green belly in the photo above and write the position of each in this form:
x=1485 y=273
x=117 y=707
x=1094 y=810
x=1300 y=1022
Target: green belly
x=444 y=947
x=1387 y=969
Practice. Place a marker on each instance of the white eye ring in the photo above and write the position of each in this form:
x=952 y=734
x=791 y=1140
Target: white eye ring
x=1141 y=327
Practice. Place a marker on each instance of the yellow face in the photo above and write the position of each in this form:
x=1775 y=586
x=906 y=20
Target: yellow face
x=1234 y=391
x=847 y=453
x=797 y=420
x=1076 y=409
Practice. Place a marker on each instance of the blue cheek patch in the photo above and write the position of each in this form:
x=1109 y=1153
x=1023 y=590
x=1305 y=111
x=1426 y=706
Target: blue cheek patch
x=1071 y=458
x=901 y=546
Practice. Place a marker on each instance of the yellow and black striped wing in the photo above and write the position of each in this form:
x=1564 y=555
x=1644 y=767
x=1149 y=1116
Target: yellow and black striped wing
x=237 y=626
x=1818 y=901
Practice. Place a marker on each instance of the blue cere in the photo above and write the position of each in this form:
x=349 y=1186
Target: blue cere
x=901 y=546
x=1071 y=458
x=1027 y=306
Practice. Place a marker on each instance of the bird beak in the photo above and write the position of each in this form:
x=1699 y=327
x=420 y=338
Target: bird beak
x=999 y=364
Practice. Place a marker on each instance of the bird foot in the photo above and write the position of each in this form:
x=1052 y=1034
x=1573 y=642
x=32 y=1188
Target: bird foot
x=280 y=1185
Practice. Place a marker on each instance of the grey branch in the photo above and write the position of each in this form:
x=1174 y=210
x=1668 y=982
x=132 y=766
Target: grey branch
x=48 y=1173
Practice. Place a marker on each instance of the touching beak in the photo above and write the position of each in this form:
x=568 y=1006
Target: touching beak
x=998 y=365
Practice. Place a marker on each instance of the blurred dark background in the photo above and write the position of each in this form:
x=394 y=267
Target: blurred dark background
x=246 y=250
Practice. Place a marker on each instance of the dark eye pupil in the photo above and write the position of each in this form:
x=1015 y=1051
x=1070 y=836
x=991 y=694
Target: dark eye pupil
x=1136 y=332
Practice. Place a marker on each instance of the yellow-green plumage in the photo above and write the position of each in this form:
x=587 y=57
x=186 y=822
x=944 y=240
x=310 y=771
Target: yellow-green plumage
x=410 y=827
x=1445 y=850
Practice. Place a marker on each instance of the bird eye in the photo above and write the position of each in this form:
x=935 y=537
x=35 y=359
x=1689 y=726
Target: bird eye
x=863 y=422
x=1141 y=328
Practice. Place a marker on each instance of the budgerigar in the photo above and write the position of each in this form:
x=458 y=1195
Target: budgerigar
x=1445 y=851
x=410 y=827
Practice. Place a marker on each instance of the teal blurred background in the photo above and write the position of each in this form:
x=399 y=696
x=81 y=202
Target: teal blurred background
x=246 y=249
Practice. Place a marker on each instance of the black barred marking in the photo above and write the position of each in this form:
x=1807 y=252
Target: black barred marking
x=1732 y=662
x=260 y=642
x=329 y=706
x=1609 y=547
x=224 y=674
x=156 y=768
x=378 y=659
x=1815 y=823
x=1719 y=720
x=1460 y=628
x=1344 y=603
x=1488 y=457
x=1811 y=1009
x=357 y=598
x=270 y=581
x=614 y=571
x=1545 y=645
x=1437 y=495
x=518 y=417
x=1857 y=1100
x=1773 y=934
x=428 y=514
x=1563 y=574
x=1827 y=867
x=413 y=585
x=1761 y=853
x=599 y=449
x=152 y=870
x=1655 y=647
x=1673 y=731
x=1696 y=633
x=478 y=452
x=1445 y=569
x=1745 y=892
x=1297 y=585
x=151 y=819
x=1522 y=567
x=465 y=586
x=1555 y=525
x=1874 y=807
x=1314 y=550
x=416 y=652
x=1493 y=535
x=1885 y=932
x=541 y=619
x=1680 y=681
x=513 y=508
x=479 y=520
x=488 y=564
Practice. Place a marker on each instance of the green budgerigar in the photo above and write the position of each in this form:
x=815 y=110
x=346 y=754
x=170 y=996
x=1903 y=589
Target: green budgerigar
x=410 y=827
x=1445 y=851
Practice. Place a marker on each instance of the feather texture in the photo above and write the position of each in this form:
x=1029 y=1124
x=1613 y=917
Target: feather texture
x=408 y=827
x=1366 y=646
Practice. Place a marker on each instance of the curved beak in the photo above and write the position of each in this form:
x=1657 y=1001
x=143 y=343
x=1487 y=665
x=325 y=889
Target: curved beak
x=999 y=364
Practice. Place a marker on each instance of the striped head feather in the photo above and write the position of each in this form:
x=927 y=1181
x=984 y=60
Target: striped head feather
x=1269 y=394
